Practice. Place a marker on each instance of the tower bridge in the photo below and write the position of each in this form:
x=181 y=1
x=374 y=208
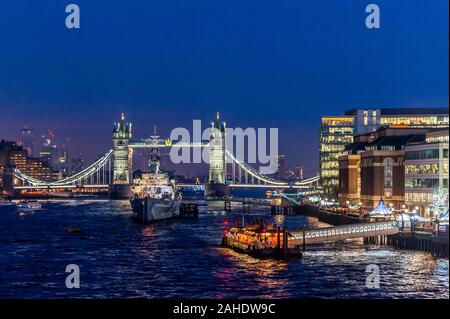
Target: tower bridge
x=113 y=170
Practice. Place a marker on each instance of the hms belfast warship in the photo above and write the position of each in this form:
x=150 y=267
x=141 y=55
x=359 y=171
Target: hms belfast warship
x=155 y=197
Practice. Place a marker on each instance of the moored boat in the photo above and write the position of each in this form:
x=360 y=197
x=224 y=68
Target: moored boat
x=259 y=239
x=155 y=198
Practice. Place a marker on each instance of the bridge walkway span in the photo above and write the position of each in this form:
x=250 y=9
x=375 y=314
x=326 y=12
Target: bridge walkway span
x=338 y=233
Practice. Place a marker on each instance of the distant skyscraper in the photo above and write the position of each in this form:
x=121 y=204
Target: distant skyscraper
x=63 y=160
x=56 y=157
x=281 y=171
x=27 y=140
x=299 y=172
x=77 y=165
x=49 y=151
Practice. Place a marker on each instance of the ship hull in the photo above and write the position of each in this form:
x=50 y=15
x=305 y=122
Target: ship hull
x=259 y=253
x=149 y=210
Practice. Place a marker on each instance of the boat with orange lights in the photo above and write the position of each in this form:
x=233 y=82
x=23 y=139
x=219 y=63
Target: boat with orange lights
x=260 y=239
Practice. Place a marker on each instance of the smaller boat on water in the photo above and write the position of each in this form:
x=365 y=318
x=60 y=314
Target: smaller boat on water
x=259 y=239
x=28 y=206
x=73 y=229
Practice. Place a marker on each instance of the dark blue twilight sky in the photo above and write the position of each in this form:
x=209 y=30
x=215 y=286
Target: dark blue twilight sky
x=261 y=63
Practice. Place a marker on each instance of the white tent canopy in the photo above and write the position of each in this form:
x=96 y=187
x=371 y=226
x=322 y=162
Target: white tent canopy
x=443 y=217
x=380 y=210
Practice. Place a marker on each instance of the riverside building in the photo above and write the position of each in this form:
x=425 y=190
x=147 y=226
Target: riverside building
x=338 y=131
x=13 y=156
x=373 y=168
x=426 y=169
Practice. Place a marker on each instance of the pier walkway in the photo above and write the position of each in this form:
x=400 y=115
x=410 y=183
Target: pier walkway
x=252 y=201
x=338 y=233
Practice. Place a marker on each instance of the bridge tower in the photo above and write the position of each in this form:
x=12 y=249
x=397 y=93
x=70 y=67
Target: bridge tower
x=217 y=166
x=122 y=159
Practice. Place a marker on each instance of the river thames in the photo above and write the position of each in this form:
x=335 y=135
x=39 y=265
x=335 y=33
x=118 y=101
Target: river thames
x=184 y=259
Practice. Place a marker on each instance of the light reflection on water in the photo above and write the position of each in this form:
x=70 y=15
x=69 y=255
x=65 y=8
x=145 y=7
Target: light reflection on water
x=183 y=258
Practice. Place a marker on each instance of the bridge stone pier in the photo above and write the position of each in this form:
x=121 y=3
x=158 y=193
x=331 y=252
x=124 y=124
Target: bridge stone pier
x=217 y=186
x=122 y=159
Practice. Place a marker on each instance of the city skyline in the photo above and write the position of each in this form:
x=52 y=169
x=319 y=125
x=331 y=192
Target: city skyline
x=288 y=84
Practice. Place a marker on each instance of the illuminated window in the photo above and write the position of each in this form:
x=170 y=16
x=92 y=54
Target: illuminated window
x=387 y=164
x=425 y=154
x=366 y=118
x=424 y=169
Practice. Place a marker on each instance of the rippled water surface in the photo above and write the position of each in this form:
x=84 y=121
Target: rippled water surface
x=183 y=259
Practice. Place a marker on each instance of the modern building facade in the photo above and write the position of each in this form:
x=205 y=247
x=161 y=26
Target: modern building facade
x=371 y=119
x=338 y=131
x=373 y=168
x=335 y=133
x=426 y=169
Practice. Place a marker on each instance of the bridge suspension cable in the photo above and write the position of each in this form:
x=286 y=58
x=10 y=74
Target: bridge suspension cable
x=90 y=171
x=250 y=170
x=308 y=181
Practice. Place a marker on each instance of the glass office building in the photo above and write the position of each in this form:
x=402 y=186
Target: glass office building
x=370 y=119
x=426 y=169
x=338 y=131
x=335 y=133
